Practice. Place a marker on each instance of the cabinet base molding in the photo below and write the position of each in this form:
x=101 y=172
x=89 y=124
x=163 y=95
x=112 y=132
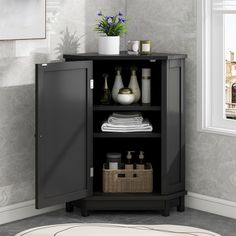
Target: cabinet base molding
x=123 y=202
x=210 y=204
x=23 y=210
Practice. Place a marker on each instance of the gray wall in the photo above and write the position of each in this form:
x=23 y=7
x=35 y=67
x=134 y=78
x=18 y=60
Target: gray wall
x=171 y=25
x=70 y=25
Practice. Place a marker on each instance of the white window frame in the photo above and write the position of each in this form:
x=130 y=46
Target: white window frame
x=210 y=85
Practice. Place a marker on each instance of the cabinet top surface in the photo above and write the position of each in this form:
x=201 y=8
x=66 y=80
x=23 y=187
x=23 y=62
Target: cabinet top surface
x=124 y=56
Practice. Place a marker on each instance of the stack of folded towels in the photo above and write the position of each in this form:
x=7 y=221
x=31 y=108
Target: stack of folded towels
x=126 y=122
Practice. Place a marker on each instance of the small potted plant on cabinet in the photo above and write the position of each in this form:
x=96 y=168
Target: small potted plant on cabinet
x=110 y=28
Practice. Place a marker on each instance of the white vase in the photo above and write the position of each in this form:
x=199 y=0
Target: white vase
x=109 y=45
x=118 y=84
x=133 y=84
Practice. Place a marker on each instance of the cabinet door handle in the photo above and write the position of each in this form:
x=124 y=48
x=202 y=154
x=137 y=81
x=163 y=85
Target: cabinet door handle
x=91 y=84
x=91 y=172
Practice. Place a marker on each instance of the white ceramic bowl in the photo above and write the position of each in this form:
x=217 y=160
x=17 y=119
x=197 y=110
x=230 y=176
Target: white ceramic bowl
x=125 y=99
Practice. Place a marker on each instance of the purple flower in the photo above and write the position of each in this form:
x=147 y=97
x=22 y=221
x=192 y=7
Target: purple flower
x=109 y=19
x=122 y=20
x=100 y=13
x=120 y=14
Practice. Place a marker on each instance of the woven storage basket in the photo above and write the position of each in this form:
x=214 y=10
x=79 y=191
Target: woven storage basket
x=128 y=181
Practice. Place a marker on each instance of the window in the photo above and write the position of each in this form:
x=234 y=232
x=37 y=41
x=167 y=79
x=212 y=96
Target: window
x=217 y=65
x=234 y=94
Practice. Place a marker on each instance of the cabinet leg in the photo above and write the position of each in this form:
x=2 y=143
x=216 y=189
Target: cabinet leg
x=84 y=209
x=69 y=207
x=166 y=211
x=181 y=206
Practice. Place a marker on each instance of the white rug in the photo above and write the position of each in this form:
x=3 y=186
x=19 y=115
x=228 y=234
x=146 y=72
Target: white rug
x=114 y=230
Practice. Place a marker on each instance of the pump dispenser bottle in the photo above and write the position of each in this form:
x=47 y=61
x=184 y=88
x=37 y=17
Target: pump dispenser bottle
x=140 y=165
x=129 y=164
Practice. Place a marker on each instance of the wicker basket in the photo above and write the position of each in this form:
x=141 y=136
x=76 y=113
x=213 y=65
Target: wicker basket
x=128 y=181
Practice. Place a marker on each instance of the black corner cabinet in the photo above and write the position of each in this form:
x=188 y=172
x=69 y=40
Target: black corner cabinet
x=70 y=147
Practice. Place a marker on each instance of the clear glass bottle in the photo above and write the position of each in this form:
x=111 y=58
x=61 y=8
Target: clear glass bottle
x=106 y=94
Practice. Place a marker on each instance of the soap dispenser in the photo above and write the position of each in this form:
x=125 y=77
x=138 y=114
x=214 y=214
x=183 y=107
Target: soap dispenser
x=128 y=164
x=140 y=165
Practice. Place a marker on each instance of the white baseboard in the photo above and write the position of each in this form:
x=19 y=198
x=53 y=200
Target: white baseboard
x=23 y=210
x=196 y=201
x=212 y=205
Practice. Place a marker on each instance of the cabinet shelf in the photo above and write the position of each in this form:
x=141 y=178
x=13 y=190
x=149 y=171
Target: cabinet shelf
x=134 y=107
x=127 y=135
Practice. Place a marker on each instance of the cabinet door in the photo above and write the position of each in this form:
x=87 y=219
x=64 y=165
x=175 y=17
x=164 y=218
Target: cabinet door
x=63 y=132
x=173 y=130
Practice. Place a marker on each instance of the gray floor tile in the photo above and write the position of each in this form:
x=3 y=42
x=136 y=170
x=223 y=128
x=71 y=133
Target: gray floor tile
x=222 y=225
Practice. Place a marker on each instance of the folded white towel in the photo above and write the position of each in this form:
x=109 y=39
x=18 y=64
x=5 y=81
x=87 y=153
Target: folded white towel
x=126 y=122
x=125 y=130
x=125 y=118
x=144 y=124
x=144 y=127
x=126 y=114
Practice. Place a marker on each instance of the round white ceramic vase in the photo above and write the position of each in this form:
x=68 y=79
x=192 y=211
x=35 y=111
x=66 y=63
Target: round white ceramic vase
x=109 y=45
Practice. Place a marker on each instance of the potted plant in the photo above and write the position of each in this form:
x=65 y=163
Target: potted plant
x=110 y=28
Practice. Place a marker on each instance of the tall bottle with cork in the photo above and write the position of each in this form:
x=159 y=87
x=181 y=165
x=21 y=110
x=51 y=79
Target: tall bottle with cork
x=146 y=85
x=106 y=94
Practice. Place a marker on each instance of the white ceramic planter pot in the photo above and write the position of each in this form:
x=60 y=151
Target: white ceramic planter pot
x=109 y=45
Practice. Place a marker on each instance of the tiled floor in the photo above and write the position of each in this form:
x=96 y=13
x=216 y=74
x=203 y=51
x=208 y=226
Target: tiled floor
x=218 y=224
